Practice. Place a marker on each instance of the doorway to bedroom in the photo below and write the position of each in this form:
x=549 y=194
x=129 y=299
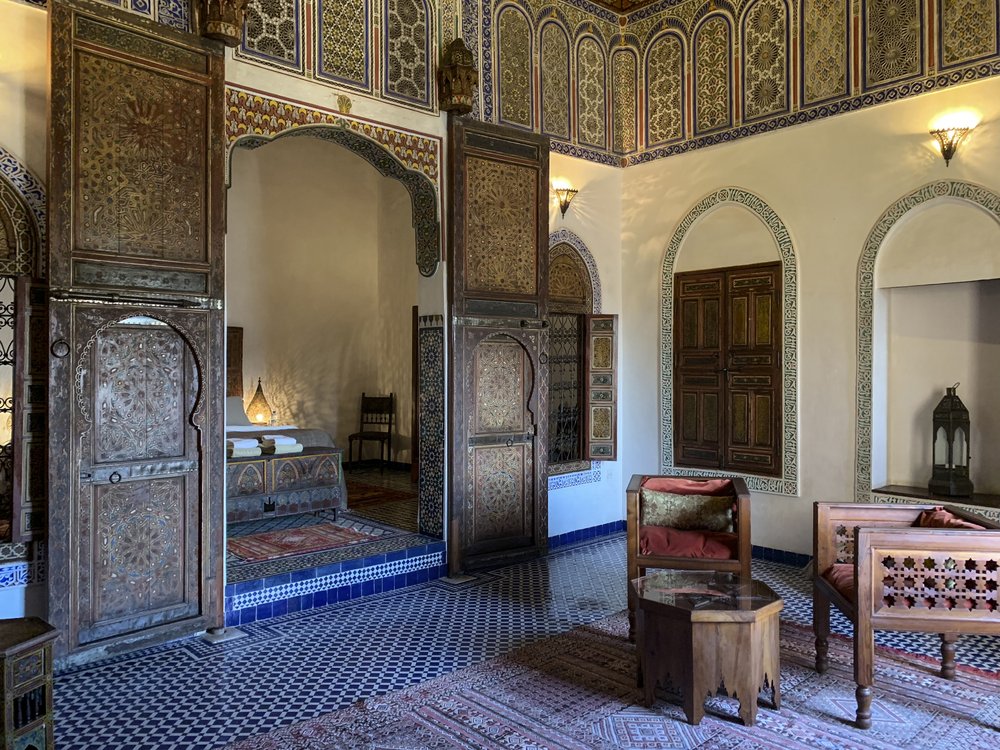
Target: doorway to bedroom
x=323 y=287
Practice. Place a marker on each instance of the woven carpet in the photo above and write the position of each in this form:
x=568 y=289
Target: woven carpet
x=362 y=493
x=577 y=691
x=297 y=541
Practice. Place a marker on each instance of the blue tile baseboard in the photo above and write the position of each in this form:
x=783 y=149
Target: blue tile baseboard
x=262 y=598
x=582 y=535
x=780 y=556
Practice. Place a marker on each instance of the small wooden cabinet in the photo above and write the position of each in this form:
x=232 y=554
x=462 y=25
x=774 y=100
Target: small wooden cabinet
x=26 y=656
x=268 y=486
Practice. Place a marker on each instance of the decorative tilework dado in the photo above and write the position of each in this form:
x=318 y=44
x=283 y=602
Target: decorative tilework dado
x=945 y=189
x=253 y=119
x=430 y=491
x=567 y=237
x=788 y=483
x=22 y=564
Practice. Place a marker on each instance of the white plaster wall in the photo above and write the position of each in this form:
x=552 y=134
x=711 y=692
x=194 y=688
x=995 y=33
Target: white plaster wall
x=829 y=182
x=940 y=335
x=595 y=217
x=305 y=227
x=24 y=83
x=729 y=235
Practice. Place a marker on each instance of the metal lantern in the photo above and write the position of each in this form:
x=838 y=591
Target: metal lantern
x=951 y=447
x=258 y=410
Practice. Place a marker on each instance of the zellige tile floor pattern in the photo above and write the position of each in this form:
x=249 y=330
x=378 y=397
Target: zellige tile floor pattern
x=192 y=695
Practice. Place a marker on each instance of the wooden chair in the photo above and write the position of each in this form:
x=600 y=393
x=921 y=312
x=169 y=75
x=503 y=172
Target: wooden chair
x=710 y=530
x=885 y=573
x=376 y=424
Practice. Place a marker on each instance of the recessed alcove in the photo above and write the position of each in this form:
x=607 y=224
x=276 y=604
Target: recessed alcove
x=936 y=308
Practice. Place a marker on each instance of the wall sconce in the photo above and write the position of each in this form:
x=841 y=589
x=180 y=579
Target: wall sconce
x=565 y=195
x=948 y=139
x=258 y=410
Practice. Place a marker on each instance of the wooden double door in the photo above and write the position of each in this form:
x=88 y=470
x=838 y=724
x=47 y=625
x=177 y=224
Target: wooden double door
x=727 y=369
x=135 y=331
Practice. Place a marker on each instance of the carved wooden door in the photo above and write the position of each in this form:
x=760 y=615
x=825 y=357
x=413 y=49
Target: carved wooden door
x=727 y=380
x=136 y=210
x=498 y=255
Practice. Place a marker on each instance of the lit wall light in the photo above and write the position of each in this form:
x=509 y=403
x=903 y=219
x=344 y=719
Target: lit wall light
x=951 y=129
x=565 y=193
x=258 y=410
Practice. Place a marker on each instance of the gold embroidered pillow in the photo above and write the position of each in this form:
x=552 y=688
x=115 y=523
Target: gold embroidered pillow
x=685 y=512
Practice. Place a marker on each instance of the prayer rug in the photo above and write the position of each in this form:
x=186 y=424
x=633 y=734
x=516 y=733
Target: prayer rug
x=577 y=692
x=297 y=541
x=361 y=493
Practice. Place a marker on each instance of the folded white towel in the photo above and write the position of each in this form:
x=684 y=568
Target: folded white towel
x=242 y=452
x=280 y=450
x=242 y=442
x=278 y=440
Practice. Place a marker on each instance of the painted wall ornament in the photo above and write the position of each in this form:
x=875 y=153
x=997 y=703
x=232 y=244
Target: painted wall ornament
x=223 y=20
x=457 y=78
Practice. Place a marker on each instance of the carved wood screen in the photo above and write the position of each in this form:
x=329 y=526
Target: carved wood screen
x=498 y=253
x=727 y=368
x=136 y=375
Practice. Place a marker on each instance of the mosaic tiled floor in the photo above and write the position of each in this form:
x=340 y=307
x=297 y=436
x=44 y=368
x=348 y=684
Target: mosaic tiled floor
x=192 y=695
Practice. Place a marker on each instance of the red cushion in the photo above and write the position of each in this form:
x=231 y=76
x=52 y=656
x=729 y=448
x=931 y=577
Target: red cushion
x=841 y=577
x=939 y=518
x=663 y=540
x=682 y=486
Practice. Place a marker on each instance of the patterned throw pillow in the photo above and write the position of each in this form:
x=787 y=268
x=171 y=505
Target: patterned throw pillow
x=686 y=512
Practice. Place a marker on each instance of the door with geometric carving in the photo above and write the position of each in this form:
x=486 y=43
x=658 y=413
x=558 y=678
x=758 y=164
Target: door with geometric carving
x=498 y=256
x=136 y=369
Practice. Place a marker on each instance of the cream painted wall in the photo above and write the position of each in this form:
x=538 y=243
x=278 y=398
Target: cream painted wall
x=24 y=83
x=729 y=235
x=310 y=245
x=940 y=335
x=829 y=181
x=595 y=217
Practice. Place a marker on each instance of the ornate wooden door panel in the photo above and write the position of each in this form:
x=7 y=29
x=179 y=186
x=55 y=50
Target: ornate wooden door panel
x=499 y=477
x=498 y=255
x=136 y=370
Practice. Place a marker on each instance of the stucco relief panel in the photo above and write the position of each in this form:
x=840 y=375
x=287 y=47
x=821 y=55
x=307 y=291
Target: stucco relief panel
x=407 y=32
x=343 y=41
x=591 y=94
x=665 y=90
x=765 y=59
x=555 y=81
x=968 y=30
x=500 y=221
x=514 y=67
x=825 y=52
x=713 y=75
x=272 y=31
x=893 y=34
x=624 y=98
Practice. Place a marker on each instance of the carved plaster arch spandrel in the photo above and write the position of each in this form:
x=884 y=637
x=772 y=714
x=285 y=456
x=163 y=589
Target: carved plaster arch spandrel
x=977 y=195
x=253 y=120
x=789 y=482
x=22 y=218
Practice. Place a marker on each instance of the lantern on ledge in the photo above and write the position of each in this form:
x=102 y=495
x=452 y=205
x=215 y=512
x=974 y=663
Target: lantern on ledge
x=951 y=447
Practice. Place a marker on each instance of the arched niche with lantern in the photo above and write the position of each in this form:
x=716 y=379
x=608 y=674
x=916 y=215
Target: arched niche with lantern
x=951 y=447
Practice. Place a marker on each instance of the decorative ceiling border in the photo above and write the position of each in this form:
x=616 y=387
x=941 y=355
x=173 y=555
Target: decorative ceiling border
x=256 y=113
x=565 y=236
x=29 y=187
x=788 y=484
x=978 y=195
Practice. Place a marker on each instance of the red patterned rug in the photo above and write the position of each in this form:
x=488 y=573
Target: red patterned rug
x=272 y=544
x=363 y=493
x=577 y=692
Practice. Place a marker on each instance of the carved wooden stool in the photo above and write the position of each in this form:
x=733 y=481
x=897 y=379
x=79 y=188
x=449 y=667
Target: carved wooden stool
x=26 y=661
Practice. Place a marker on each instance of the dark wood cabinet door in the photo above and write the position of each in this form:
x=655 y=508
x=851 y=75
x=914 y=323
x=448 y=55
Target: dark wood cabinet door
x=135 y=330
x=498 y=251
x=727 y=369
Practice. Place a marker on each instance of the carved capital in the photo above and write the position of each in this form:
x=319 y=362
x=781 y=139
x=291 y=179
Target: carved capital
x=457 y=78
x=223 y=20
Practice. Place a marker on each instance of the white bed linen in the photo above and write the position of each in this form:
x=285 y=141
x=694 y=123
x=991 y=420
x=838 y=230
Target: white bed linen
x=259 y=427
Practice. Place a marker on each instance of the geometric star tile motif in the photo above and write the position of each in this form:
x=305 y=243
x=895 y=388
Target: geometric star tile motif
x=192 y=695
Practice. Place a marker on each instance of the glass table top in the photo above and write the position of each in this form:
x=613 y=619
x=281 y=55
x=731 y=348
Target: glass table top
x=704 y=591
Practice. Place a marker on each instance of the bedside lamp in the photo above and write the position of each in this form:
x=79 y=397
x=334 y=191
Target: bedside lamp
x=258 y=410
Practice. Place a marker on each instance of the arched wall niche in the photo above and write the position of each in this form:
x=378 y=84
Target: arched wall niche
x=405 y=193
x=932 y=298
x=735 y=207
